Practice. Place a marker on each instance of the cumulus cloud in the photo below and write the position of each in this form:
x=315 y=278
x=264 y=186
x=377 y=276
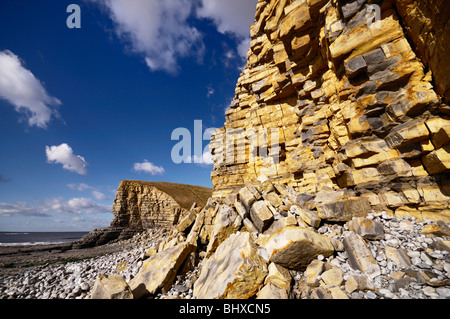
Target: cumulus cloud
x=149 y=168
x=63 y=154
x=98 y=195
x=231 y=16
x=156 y=29
x=25 y=92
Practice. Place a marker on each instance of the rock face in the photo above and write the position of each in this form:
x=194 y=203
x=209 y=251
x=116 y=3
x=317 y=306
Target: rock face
x=141 y=205
x=344 y=95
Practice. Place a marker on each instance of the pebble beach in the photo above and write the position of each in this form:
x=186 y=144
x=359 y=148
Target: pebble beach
x=71 y=274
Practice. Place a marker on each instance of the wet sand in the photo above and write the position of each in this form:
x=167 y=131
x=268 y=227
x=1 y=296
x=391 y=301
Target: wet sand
x=15 y=258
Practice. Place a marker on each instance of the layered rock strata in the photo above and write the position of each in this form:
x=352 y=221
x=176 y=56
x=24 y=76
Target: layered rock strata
x=344 y=96
x=142 y=205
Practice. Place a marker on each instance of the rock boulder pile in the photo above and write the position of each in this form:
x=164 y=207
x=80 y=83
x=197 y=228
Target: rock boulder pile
x=372 y=256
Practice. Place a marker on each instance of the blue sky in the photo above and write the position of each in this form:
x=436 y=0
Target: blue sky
x=83 y=109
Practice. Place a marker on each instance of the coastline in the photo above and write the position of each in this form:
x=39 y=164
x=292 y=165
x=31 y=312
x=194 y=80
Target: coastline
x=23 y=256
x=58 y=271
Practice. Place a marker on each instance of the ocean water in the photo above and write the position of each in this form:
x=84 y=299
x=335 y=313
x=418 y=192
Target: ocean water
x=35 y=238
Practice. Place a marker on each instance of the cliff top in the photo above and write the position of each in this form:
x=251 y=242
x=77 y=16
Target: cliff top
x=184 y=195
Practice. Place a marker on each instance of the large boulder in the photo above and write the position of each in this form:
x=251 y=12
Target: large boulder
x=235 y=271
x=295 y=247
x=367 y=228
x=159 y=271
x=111 y=287
x=227 y=222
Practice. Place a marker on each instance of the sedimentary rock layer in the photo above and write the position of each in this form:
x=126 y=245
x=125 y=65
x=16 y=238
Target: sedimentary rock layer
x=142 y=205
x=343 y=95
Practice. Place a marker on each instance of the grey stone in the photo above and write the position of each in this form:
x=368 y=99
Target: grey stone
x=374 y=56
x=443 y=292
x=352 y=7
x=360 y=256
x=355 y=67
x=367 y=228
x=370 y=295
x=344 y=210
x=261 y=215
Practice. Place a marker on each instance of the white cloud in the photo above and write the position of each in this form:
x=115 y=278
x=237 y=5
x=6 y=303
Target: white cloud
x=233 y=17
x=98 y=195
x=25 y=92
x=21 y=209
x=54 y=205
x=63 y=154
x=79 y=187
x=157 y=29
x=230 y=16
x=243 y=47
x=80 y=205
x=149 y=168
x=210 y=92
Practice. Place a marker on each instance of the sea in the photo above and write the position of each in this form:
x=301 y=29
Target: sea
x=38 y=238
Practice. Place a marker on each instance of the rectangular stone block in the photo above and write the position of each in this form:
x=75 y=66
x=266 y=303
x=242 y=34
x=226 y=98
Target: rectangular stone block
x=261 y=215
x=344 y=210
x=437 y=161
x=360 y=257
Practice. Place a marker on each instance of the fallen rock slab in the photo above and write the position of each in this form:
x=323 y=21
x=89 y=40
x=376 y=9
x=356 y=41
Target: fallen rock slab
x=344 y=210
x=295 y=247
x=159 y=271
x=271 y=291
x=360 y=256
x=226 y=223
x=235 y=271
x=111 y=287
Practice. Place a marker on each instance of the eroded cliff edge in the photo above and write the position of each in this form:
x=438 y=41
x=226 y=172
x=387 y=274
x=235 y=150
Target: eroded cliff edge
x=357 y=102
x=141 y=205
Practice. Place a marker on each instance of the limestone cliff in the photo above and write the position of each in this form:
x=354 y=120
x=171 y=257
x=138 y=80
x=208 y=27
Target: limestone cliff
x=344 y=95
x=141 y=205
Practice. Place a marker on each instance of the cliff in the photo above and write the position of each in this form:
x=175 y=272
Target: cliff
x=141 y=205
x=336 y=97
